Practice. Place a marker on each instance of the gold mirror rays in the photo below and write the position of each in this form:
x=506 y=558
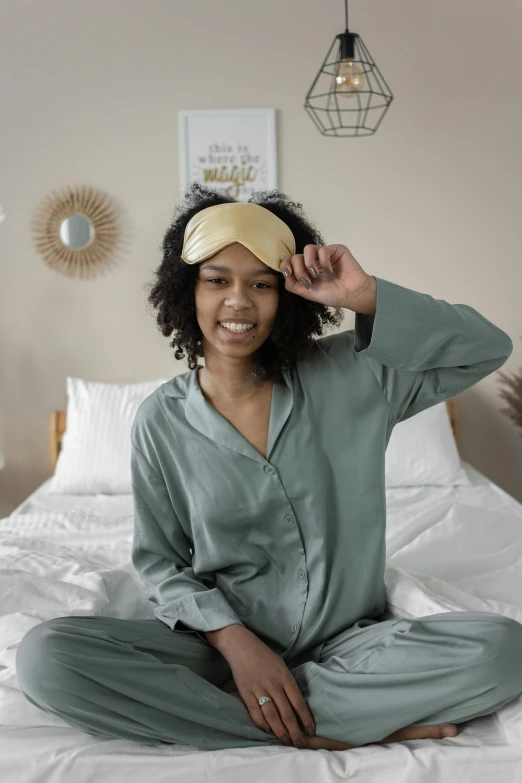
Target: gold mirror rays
x=77 y=231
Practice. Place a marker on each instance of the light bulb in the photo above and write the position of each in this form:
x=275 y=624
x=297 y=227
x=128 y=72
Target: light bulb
x=349 y=79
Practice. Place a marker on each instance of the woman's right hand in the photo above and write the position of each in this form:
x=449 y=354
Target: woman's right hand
x=259 y=671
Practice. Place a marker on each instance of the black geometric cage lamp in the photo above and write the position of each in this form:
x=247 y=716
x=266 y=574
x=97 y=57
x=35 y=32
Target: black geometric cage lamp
x=349 y=88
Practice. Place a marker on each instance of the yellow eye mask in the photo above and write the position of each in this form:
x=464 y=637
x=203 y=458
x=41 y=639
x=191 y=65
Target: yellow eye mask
x=253 y=226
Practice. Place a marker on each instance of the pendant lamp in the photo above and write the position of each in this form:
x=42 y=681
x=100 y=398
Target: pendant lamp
x=349 y=96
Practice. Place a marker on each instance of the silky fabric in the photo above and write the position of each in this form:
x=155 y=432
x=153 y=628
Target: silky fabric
x=290 y=544
x=138 y=680
x=251 y=225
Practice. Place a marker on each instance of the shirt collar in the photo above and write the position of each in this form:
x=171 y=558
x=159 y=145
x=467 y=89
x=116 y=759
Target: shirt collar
x=201 y=415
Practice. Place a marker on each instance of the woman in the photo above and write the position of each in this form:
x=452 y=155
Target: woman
x=258 y=487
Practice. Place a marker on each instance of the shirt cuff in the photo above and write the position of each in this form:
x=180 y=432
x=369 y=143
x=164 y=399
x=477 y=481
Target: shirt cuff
x=203 y=611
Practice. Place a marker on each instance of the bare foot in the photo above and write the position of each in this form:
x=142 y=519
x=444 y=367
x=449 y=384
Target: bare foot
x=407 y=733
x=437 y=731
x=323 y=743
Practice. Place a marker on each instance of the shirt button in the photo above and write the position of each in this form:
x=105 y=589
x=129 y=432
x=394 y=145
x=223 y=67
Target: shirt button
x=268 y=469
x=289 y=518
x=301 y=573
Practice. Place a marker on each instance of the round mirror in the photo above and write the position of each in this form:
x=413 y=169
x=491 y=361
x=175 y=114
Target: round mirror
x=76 y=231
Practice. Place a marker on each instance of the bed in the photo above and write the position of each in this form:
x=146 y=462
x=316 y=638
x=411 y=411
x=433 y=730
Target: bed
x=449 y=548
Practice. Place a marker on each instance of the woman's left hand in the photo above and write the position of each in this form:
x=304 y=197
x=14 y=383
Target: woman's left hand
x=341 y=289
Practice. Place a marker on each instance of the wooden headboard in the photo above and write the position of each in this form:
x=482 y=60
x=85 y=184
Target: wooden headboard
x=56 y=430
x=59 y=420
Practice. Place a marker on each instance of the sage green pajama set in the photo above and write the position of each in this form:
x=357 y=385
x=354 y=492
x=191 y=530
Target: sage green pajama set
x=292 y=546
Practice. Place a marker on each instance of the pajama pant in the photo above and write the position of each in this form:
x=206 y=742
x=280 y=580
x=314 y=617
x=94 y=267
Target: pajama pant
x=139 y=680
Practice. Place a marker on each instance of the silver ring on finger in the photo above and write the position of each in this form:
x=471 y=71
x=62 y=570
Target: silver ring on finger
x=264 y=699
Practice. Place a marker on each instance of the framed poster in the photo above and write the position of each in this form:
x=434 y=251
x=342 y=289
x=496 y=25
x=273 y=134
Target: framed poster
x=230 y=150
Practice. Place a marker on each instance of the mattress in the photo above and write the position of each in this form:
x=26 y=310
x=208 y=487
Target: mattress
x=448 y=549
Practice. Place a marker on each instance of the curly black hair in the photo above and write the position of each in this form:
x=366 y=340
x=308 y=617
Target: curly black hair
x=172 y=291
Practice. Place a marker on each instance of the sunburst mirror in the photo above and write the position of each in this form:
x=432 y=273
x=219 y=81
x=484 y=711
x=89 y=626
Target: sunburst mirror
x=77 y=231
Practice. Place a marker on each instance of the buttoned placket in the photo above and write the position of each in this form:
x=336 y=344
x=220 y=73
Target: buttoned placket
x=205 y=418
x=301 y=572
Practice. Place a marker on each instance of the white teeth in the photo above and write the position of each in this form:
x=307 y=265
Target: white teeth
x=233 y=327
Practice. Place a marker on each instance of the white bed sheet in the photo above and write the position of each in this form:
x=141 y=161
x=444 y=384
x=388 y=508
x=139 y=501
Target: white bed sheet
x=448 y=549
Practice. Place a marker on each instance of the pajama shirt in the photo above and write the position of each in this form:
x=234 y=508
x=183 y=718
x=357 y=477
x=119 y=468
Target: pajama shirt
x=293 y=546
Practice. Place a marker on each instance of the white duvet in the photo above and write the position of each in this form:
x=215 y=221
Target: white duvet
x=449 y=549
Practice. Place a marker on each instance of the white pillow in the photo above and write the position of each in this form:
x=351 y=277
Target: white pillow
x=422 y=450
x=96 y=446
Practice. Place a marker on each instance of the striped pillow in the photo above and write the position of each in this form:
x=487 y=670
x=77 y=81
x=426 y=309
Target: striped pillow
x=95 y=451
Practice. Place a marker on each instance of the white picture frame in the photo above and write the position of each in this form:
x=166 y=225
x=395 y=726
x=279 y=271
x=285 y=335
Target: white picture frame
x=230 y=150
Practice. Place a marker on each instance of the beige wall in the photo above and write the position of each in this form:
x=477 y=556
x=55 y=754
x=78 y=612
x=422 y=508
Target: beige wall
x=90 y=94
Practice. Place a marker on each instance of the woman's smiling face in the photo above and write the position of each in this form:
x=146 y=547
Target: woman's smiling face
x=242 y=289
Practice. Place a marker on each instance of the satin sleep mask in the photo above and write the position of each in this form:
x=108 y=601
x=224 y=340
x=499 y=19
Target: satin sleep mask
x=253 y=226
